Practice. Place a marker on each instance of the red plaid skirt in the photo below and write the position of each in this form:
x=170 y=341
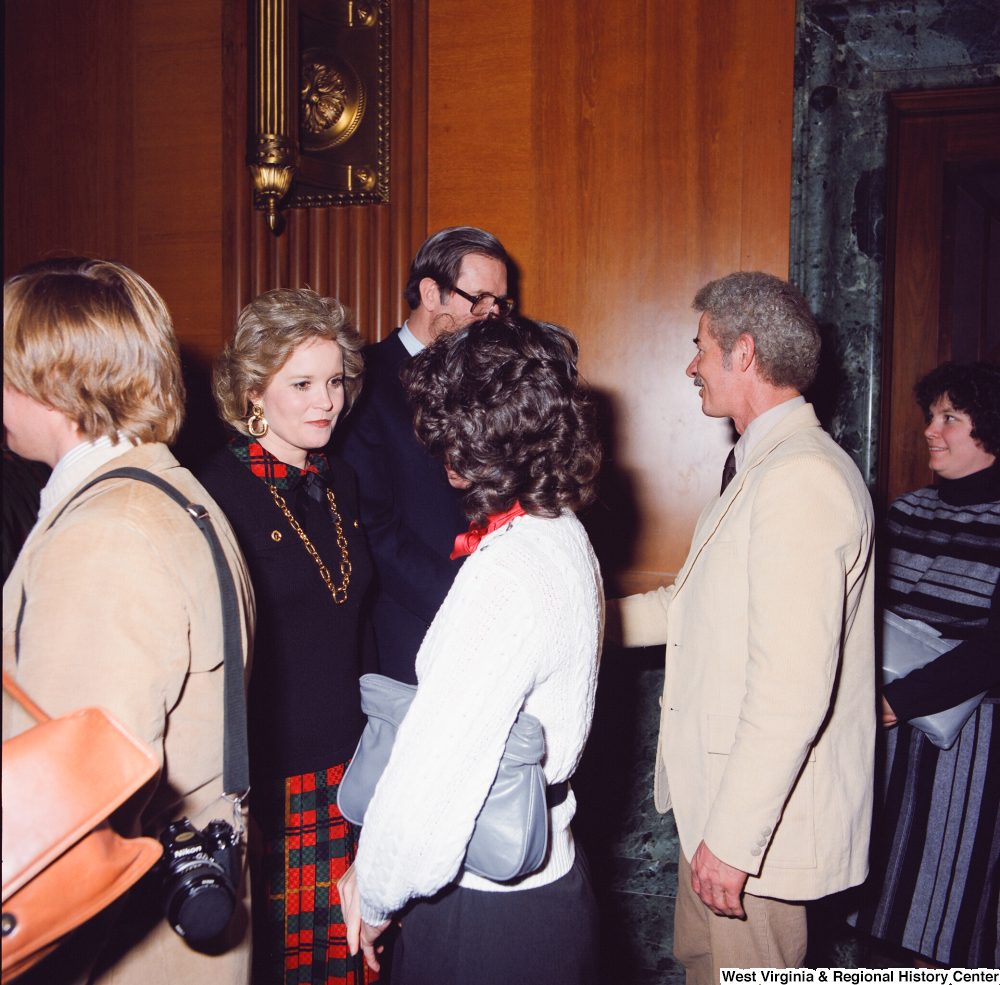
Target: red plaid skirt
x=306 y=936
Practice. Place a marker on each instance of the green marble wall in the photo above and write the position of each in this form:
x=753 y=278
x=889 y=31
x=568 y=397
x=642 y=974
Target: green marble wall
x=633 y=850
x=849 y=57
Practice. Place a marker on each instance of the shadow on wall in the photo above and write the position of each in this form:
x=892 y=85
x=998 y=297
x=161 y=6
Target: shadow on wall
x=612 y=521
x=826 y=393
x=203 y=432
x=632 y=850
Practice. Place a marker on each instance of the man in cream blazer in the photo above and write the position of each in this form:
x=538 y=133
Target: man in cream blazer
x=767 y=726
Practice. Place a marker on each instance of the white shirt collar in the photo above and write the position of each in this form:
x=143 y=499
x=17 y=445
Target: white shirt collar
x=79 y=462
x=409 y=340
x=759 y=426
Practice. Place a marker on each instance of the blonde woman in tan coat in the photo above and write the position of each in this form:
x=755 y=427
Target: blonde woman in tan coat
x=115 y=602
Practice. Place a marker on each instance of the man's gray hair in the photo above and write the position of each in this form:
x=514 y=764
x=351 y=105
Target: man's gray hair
x=774 y=314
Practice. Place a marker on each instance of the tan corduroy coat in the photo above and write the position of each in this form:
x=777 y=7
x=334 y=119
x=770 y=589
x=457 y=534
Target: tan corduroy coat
x=122 y=610
x=767 y=728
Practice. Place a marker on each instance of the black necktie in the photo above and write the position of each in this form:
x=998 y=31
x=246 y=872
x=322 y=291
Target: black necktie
x=728 y=470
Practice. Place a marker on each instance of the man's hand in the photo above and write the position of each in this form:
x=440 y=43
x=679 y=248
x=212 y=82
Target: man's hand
x=719 y=885
x=888 y=715
x=359 y=933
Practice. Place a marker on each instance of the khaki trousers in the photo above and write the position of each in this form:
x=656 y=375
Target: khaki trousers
x=772 y=936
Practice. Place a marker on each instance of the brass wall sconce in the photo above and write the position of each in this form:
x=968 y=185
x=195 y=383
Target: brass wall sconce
x=321 y=104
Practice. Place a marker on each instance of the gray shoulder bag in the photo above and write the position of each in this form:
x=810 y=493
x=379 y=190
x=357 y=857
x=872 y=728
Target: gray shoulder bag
x=511 y=836
x=908 y=644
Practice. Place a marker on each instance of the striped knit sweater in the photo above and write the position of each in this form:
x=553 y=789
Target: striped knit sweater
x=944 y=564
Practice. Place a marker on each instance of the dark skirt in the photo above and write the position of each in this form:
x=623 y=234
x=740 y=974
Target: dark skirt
x=308 y=846
x=935 y=876
x=543 y=936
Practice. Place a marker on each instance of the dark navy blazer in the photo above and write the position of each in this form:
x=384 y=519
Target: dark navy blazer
x=409 y=511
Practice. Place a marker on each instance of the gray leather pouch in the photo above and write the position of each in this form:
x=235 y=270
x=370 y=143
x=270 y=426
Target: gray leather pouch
x=908 y=644
x=511 y=836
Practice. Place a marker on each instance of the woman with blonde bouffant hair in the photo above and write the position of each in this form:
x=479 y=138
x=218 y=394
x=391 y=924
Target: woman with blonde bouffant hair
x=114 y=599
x=291 y=369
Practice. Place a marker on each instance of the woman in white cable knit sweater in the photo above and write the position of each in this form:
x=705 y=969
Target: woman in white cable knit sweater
x=501 y=405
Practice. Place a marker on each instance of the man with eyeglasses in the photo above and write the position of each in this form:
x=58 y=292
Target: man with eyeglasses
x=410 y=512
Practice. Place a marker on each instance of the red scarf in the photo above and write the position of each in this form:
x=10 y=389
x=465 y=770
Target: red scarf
x=468 y=542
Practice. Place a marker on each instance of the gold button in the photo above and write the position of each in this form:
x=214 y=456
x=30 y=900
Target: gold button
x=355 y=524
x=275 y=535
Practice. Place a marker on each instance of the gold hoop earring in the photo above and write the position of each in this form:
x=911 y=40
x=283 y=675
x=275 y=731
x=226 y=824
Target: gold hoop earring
x=257 y=425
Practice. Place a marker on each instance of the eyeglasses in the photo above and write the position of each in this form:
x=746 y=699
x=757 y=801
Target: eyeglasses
x=482 y=304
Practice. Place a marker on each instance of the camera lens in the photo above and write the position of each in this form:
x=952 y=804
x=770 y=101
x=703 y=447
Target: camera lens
x=201 y=903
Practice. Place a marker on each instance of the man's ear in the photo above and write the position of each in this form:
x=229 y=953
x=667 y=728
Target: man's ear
x=430 y=293
x=744 y=351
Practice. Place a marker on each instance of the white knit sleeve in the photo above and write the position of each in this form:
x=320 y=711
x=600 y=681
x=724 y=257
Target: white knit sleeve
x=478 y=661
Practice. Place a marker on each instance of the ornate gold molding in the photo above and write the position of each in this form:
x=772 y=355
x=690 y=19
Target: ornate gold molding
x=321 y=115
x=344 y=103
x=331 y=100
x=353 y=13
x=273 y=154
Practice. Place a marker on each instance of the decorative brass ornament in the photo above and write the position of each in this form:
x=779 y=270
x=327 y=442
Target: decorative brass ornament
x=332 y=100
x=320 y=104
x=272 y=184
x=347 y=162
x=361 y=13
x=273 y=150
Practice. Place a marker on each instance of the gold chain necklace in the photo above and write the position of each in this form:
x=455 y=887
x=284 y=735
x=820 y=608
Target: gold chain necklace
x=339 y=594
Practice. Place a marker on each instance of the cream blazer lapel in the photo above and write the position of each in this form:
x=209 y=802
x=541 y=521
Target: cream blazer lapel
x=713 y=516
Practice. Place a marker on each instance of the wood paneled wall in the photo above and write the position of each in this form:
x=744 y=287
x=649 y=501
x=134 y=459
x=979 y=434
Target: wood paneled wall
x=625 y=153
x=121 y=129
x=927 y=130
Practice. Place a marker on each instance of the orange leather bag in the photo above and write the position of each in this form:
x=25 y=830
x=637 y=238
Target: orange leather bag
x=62 y=862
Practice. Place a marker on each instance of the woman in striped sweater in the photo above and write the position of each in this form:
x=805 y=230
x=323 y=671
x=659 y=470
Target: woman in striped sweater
x=936 y=861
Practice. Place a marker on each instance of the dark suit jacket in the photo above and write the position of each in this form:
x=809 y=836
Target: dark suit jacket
x=409 y=511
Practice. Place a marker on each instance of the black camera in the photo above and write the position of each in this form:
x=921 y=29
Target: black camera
x=200 y=872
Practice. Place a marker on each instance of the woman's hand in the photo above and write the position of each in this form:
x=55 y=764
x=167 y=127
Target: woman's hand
x=359 y=933
x=888 y=715
x=369 y=935
x=350 y=907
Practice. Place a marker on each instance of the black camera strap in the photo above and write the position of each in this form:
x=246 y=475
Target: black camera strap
x=235 y=759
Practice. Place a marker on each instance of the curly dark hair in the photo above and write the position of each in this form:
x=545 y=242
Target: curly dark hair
x=502 y=404
x=973 y=389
